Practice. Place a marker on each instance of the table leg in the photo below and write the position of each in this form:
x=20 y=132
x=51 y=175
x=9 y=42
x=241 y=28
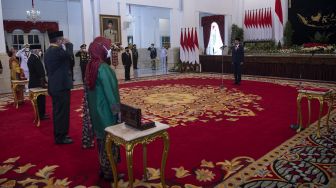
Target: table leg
x=108 y=147
x=319 y=118
x=16 y=104
x=165 y=137
x=37 y=112
x=330 y=105
x=144 y=148
x=309 y=111
x=34 y=103
x=129 y=158
x=298 y=103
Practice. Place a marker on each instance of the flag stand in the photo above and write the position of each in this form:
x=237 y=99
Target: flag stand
x=222 y=85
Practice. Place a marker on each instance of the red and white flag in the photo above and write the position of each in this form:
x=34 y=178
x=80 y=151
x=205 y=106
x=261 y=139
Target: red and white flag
x=278 y=22
x=249 y=23
x=186 y=45
x=270 y=23
x=192 y=47
x=196 y=47
x=255 y=25
x=265 y=23
x=182 y=53
x=262 y=20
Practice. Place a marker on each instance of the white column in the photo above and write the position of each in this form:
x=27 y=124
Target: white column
x=87 y=21
x=2 y=32
x=96 y=22
x=175 y=27
x=123 y=11
x=227 y=30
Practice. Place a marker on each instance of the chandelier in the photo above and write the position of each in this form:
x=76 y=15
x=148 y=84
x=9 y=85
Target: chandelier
x=129 y=17
x=33 y=15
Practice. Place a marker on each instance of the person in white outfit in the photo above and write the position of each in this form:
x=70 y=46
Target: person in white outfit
x=24 y=54
x=215 y=41
x=163 y=58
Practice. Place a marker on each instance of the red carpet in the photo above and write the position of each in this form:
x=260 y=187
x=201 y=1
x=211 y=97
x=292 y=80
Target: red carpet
x=216 y=138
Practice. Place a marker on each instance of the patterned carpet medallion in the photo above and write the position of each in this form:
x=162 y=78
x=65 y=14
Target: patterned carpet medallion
x=177 y=104
x=302 y=161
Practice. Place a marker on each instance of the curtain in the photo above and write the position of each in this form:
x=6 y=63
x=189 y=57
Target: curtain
x=206 y=24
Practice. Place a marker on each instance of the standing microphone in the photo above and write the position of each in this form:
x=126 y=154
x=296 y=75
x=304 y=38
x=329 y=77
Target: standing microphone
x=222 y=48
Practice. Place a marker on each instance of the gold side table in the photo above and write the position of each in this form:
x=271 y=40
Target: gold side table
x=33 y=94
x=321 y=96
x=14 y=85
x=129 y=137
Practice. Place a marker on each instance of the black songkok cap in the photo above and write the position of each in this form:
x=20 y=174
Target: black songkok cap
x=33 y=47
x=55 y=35
x=83 y=45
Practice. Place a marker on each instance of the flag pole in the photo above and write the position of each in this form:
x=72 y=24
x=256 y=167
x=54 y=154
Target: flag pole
x=222 y=85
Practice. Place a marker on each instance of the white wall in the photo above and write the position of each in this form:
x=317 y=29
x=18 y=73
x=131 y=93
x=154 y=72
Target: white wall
x=2 y=33
x=182 y=13
x=75 y=23
x=164 y=27
x=146 y=26
x=66 y=12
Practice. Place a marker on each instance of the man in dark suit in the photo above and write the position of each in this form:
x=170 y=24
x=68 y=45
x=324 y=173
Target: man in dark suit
x=57 y=63
x=237 y=60
x=135 y=56
x=153 y=55
x=37 y=77
x=127 y=62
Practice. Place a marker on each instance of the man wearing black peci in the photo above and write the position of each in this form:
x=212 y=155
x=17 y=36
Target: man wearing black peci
x=135 y=56
x=57 y=63
x=127 y=62
x=37 y=77
x=237 y=60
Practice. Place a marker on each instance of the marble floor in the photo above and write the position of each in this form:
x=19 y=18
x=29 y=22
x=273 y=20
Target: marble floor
x=135 y=73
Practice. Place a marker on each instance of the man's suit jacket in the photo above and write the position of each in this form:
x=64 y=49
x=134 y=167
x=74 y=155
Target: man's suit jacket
x=69 y=49
x=126 y=59
x=238 y=54
x=58 y=70
x=36 y=72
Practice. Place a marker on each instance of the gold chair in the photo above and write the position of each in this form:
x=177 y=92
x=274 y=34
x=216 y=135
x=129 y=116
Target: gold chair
x=33 y=94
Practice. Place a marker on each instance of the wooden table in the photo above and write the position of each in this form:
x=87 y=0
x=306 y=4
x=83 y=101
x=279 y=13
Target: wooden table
x=33 y=94
x=129 y=137
x=322 y=96
x=14 y=85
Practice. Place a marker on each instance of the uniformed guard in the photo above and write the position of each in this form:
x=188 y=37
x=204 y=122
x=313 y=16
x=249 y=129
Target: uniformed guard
x=83 y=59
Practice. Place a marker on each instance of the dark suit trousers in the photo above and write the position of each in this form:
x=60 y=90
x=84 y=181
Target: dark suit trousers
x=83 y=69
x=237 y=72
x=127 y=72
x=72 y=71
x=135 y=63
x=41 y=105
x=61 y=113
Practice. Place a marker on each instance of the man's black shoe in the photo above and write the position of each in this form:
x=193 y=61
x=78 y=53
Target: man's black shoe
x=64 y=141
x=44 y=117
